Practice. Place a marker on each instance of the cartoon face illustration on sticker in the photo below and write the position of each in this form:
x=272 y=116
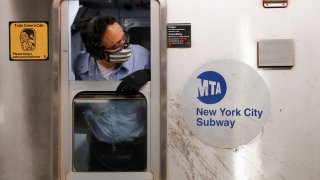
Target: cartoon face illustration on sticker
x=28 y=39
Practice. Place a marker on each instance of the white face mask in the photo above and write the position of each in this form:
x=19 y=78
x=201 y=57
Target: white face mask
x=121 y=56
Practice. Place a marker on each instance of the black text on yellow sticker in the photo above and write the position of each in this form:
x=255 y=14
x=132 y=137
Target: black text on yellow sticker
x=28 y=41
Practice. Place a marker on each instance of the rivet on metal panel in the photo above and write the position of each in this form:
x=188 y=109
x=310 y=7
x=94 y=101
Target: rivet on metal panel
x=275 y=3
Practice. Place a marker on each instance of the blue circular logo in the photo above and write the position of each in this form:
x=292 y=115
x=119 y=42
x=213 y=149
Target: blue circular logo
x=211 y=87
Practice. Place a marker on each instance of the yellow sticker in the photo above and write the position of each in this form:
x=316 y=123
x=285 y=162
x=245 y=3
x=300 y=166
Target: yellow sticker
x=29 y=41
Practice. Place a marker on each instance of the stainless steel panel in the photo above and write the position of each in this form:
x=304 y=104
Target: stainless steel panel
x=289 y=146
x=163 y=87
x=25 y=101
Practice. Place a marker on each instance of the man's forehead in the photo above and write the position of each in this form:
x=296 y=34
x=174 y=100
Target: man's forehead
x=113 y=35
x=114 y=28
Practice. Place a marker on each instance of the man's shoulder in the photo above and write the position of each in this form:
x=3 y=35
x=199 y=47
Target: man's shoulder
x=139 y=49
x=140 y=59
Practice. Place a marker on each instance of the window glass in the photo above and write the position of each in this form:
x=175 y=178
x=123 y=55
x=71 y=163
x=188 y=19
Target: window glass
x=90 y=43
x=109 y=132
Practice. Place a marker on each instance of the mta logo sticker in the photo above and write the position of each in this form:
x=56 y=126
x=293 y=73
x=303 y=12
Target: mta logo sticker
x=211 y=87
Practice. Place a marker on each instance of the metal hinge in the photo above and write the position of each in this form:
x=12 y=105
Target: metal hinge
x=275 y=3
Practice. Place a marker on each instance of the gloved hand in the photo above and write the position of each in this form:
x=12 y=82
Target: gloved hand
x=133 y=82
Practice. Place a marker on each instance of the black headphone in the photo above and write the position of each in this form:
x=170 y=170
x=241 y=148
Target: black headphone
x=91 y=40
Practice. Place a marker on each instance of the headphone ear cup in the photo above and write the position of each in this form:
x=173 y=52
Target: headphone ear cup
x=96 y=51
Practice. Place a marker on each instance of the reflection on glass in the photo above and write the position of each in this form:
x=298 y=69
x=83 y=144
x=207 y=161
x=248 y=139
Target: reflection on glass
x=109 y=132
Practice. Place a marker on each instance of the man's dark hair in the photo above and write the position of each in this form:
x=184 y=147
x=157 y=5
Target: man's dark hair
x=91 y=33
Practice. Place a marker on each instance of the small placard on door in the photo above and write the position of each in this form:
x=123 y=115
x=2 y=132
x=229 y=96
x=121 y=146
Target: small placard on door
x=29 y=41
x=179 y=35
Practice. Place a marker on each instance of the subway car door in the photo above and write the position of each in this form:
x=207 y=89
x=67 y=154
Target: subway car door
x=104 y=133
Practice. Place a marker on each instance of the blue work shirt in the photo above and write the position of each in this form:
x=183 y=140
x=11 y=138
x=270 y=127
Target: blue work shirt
x=115 y=121
x=86 y=68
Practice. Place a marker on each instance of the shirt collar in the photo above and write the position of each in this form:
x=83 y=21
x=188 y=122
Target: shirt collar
x=128 y=64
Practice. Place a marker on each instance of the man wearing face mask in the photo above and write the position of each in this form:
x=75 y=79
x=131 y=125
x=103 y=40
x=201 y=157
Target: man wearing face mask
x=108 y=55
x=118 y=129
